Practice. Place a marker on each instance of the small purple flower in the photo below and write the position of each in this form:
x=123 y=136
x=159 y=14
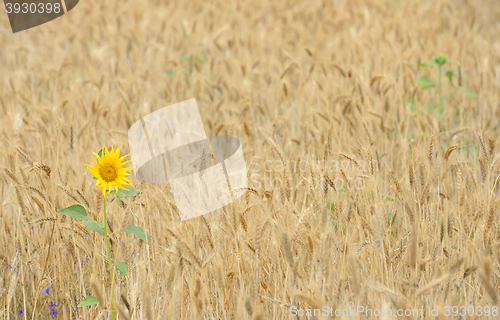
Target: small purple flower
x=8 y=267
x=86 y=236
x=52 y=305
x=20 y=312
x=47 y=290
x=53 y=313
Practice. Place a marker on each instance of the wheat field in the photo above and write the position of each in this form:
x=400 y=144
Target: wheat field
x=372 y=162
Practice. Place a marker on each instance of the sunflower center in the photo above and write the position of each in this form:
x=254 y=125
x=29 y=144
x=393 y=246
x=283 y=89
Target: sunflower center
x=108 y=173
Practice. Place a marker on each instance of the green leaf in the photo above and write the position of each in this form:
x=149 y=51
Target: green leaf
x=122 y=266
x=198 y=59
x=449 y=74
x=440 y=115
x=170 y=73
x=429 y=107
x=440 y=60
x=411 y=102
x=469 y=93
x=89 y=301
x=75 y=211
x=389 y=216
x=129 y=192
x=94 y=226
x=431 y=62
x=387 y=198
x=440 y=106
x=184 y=57
x=424 y=82
x=138 y=231
x=330 y=205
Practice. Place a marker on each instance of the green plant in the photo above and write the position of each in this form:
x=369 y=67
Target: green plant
x=435 y=106
x=186 y=58
x=78 y=212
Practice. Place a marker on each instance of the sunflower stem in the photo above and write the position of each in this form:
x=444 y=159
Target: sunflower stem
x=109 y=257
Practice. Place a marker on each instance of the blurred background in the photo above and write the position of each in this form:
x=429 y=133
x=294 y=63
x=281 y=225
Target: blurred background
x=293 y=80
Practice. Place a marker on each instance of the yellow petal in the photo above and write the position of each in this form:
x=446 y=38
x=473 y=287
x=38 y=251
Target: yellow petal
x=121 y=159
x=96 y=165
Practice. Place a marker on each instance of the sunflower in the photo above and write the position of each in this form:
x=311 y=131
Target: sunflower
x=109 y=170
